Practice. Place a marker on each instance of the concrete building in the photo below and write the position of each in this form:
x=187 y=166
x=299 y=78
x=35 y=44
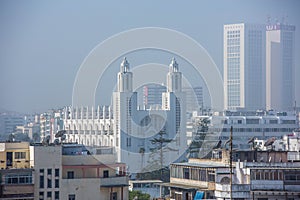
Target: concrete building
x=70 y=171
x=89 y=126
x=152 y=94
x=8 y=123
x=128 y=128
x=244 y=66
x=135 y=128
x=17 y=180
x=50 y=122
x=14 y=155
x=46 y=160
x=151 y=187
x=63 y=171
x=247 y=125
x=280 y=66
x=194 y=98
x=211 y=178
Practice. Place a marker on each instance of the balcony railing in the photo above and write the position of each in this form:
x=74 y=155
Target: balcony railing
x=114 y=181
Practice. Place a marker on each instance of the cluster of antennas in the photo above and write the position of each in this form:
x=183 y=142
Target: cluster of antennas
x=60 y=137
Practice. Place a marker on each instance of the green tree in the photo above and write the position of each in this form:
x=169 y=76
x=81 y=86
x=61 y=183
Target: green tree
x=158 y=146
x=198 y=140
x=138 y=195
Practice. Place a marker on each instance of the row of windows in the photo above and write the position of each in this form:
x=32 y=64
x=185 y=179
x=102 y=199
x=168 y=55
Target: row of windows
x=193 y=173
x=71 y=175
x=18 y=179
x=49 y=182
x=49 y=172
x=249 y=130
x=49 y=195
x=20 y=155
x=49 y=178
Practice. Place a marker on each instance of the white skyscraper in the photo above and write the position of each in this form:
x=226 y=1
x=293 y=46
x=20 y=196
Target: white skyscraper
x=244 y=66
x=280 y=67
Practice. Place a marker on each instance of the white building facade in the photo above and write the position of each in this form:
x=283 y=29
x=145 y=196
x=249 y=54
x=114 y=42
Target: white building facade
x=129 y=129
x=280 y=66
x=244 y=66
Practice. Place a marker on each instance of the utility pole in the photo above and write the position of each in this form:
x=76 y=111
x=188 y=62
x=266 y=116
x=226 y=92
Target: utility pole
x=230 y=162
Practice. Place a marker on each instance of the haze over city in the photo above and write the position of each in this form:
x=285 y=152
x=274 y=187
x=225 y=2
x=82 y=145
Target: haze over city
x=44 y=43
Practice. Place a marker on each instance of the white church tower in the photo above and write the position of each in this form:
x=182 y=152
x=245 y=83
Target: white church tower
x=124 y=101
x=174 y=101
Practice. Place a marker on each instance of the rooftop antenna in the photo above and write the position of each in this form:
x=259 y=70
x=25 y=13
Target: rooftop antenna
x=60 y=134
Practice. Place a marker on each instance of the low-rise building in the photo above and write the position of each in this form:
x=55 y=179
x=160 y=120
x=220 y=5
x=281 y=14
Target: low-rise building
x=16 y=175
x=61 y=171
x=70 y=171
x=255 y=179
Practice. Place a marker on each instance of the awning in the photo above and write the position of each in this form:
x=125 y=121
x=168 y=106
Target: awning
x=199 y=195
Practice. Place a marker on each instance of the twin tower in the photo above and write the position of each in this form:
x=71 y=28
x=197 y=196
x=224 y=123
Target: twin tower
x=136 y=129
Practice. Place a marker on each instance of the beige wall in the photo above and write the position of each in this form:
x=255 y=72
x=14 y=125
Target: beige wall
x=14 y=147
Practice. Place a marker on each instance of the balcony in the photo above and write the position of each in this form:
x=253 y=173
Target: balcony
x=272 y=185
x=117 y=181
x=238 y=191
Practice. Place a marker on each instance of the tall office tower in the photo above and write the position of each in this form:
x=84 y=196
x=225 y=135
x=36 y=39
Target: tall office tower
x=244 y=66
x=280 y=67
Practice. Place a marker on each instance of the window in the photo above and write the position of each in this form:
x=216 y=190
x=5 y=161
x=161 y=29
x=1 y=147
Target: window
x=56 y=195
x=71 y=196
x=41 y=197
x=49 y=171
x=56 y=172
x=56 y=183
x=70 y=175
x=20 y=155
x=113 y=196
x=239 y=121
x=186 y=173
x=41 y=181
x=42 y=171
x=105 y=174
x=18 y=179
x=49 y=183
x=49 y=194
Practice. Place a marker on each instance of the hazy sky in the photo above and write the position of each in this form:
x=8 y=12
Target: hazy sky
x=43 y=43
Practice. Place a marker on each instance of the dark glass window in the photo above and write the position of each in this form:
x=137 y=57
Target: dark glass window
x=56 y=183
x=105 y=174
x=56 y=195
x=70 y=175
x=49 y=194
x=41 y=181
x=56 y=172
x=49 y=183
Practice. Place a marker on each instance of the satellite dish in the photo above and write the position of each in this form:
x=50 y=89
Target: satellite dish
x=60 y=133
x=63 y=137
x=270 y=141
x=56 y=142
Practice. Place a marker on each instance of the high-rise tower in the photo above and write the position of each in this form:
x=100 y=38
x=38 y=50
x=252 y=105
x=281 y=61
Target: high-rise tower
x=280 y=67
x=244 y=66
